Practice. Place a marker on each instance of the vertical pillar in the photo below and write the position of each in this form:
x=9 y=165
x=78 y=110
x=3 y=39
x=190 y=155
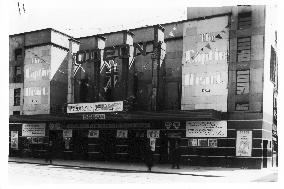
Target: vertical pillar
x=127 y=64
x=159 y=50
x=100 y=45
x=73 y=48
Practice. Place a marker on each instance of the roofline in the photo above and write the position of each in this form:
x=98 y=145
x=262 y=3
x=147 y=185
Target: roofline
x=176 y=22
x=50 y=29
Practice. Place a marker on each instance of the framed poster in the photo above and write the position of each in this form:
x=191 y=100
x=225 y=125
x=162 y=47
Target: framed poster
x=93 y=134
x=121 y=133
x=202 y=142
x=67 y=133
x=212 y=142
x=244 y=143
x=192 y=142
x=14 y=139
x=153 y=144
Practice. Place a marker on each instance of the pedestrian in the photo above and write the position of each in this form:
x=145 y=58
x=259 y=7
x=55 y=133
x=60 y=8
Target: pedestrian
x=176 y=155
x=148 y=156
x=49 y=152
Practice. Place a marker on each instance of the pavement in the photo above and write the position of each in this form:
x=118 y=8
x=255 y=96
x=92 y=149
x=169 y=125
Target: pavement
x=228 y=174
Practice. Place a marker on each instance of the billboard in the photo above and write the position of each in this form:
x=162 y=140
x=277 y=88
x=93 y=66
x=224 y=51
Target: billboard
x=204 y=64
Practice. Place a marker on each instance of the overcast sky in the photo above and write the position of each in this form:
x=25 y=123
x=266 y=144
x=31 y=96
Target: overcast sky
x=87 y=17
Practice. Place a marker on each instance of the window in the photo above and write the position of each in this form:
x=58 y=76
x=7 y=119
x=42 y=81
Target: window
x=242 y=106
x=243 y=49
x=18 y=54
x=18 y=74
x=16 y=112
x=17 y=97
x=244 y=21
x=242 y=82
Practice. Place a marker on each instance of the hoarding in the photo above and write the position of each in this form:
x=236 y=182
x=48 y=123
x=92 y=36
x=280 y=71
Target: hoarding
x=244 y=143
x=33 y=130
x=206 y=129
x=95 y=107
x=204 y=64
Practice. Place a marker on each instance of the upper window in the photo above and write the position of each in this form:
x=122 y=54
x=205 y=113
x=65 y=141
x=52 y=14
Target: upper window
x=242 y=82
x=244 y=20
x=18 y=54
x=17 y=97
x=18 y=74
x=244 y=49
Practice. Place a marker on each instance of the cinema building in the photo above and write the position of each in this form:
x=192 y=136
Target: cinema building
x=209 y=82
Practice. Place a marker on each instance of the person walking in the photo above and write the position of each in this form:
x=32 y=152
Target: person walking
x=176 y=155
x=148 y=156
x=49 y=153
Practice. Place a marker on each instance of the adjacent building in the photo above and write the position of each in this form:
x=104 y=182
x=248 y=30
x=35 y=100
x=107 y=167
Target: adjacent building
x=208 y=82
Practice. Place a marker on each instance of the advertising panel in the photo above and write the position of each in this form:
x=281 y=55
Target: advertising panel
x=14 y=139
x=244 y=143
x=95 y=107
x=93 y=134
x=204 y=64
x=33 y=130
x=206 y=129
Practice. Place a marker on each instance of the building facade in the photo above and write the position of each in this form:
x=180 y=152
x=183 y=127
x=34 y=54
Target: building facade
x=208 y=82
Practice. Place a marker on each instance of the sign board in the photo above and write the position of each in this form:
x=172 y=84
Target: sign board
x=93 y=134
x=67 y=133
x=121 y=133
x=153 y=133
x=93 y=116
x=244 y=143
x=33 y=130
x=206 y=129
x=95 y=107
x=14 y=139
x=152 y=144
x=204 y=64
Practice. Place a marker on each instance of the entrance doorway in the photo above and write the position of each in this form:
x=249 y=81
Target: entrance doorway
x=108 y=144
x=56 y=136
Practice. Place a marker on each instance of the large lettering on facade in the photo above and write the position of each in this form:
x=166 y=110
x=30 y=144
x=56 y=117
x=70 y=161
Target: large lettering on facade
x=205 y=68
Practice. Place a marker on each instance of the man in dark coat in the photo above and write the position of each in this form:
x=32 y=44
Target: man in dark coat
x=148 y=156
x=176 y=155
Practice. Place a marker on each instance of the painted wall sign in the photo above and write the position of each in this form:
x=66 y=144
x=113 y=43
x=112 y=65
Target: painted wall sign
x=93 y=116
x=153 y=133
x=244 y=143
x=93 y=134
x=95 y=107
x=35 y=129
x=121 y=133
x=14 y=139
x=204 y=64
x=67 y=133
x=206 y=129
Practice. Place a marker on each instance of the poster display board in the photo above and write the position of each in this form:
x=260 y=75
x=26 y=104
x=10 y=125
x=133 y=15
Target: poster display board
x=14 y=139
x=244 y=143
x=33 y=130
x=93 y=134
x=206 y=129
x=152 y=144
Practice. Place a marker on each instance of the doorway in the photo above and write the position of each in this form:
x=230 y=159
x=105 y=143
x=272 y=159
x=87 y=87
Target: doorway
x=56 y=136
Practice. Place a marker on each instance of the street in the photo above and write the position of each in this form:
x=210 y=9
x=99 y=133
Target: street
x=35 y=174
